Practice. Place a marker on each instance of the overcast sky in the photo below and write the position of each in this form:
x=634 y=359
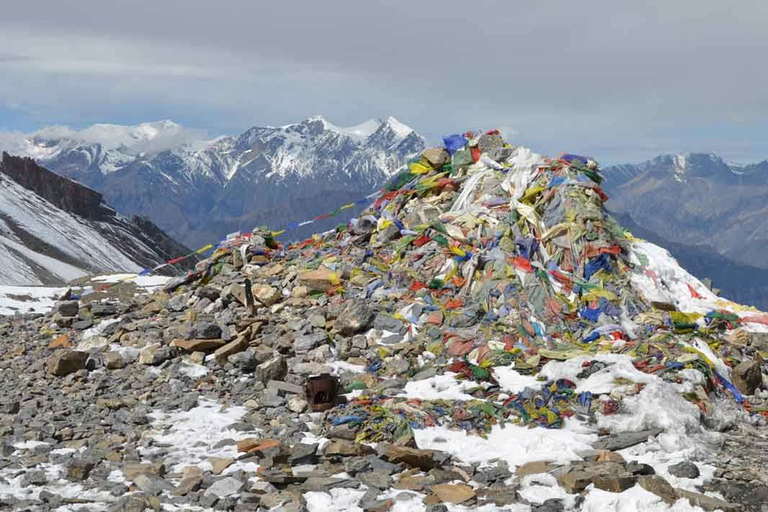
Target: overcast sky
x=596 y=77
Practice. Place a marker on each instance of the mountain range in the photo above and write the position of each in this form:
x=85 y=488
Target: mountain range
x=712 y=215
x=54 y=230
x=697 y=199
x=198 y=190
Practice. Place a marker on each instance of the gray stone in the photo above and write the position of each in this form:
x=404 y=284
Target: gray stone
x=273 y=369
x=225 y=487
x=356 y=317
x=271 y=400
x=550 y=505
x=303 y=344
x=708 y=503
x=103 y=309
x=282 y=387
x=68 y=308
x=81 y=325
x=378 y=479
x=36 y=478
x=384 y=322
x=207 y=330
x=245 y=361
x=302 y=453
x=623 y=440
x=685 y=469
x=151 y=484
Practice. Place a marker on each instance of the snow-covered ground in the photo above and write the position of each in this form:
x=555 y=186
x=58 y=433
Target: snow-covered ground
x=28 y=299
x=76 y=237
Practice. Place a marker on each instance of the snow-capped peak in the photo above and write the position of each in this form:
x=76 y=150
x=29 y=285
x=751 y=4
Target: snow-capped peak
x=359 y=132
x=400 y=129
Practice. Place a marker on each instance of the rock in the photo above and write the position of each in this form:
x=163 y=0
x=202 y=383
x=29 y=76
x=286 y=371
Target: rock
x=747 y=376
x=685 y=469
x=233 y=347
x=388 y=323
x=261 y=487
x=453 y=493
x=152 y=484
x=285 y=387
x=188 y=484
x=424 y=459
x=623 y=440
x=341 y=447
x=219 y=464
x=437 y=157
x=79 y=469
x=198 y=345
x=302 y=453
x=303 y=344
x=614 y=483
x=550 y=505
x=114 y=361
x=273 y=369
x=206 y=330
x=638 y=469
x=224 y=487
x=271 y=400
x=708 y=503
x=356 y=317
x=155 y=354
x=266 y=294
x=64 y=321
x=82 y=325
x=378 y=479
x=389 y=233
x=322 y=279
x=8 y=407
x=575 y=481
x=245 y=361
x=297 y=404
x=103 y=309
x=34 y=478
x=61 y=341
x=658 y=486
x=131 y=503
x=64 y=362
x=68 y=308
x=533 y=468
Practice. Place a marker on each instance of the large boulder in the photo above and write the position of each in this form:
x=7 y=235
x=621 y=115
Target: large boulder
x=64 y=362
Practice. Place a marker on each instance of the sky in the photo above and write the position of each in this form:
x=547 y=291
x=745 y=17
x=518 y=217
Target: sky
x=619 y=82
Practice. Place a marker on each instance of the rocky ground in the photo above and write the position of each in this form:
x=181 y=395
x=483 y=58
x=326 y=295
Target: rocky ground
x=195 y=397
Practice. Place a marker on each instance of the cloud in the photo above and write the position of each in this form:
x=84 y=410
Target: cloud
x=575 y=76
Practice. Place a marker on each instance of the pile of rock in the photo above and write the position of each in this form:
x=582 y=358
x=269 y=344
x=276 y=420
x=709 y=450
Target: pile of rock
x=466 y=265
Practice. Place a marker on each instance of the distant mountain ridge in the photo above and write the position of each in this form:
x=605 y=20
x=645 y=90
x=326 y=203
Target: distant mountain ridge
x=697 y=199
x=199 y=190
x=53 y=230
x=711 y=215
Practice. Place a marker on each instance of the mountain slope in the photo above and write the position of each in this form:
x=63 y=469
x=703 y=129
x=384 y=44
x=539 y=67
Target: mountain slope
x=697 y=200
x=200 y=190
x=53 y=230
x=735 y=281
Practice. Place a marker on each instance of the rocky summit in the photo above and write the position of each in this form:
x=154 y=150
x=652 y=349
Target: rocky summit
x=483 y=337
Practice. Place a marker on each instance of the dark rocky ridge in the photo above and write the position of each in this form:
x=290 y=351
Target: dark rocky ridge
x=138 y=238
x=62 y=192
